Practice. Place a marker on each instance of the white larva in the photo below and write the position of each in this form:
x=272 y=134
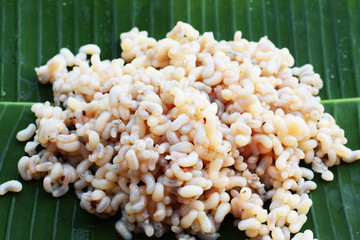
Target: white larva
x=26 y=133
x=90 y=49
x=122 y=230
x=190 y=160
x=190 y=191
x=10 y=186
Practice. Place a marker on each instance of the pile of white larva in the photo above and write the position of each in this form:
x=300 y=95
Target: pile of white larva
x=180 y=132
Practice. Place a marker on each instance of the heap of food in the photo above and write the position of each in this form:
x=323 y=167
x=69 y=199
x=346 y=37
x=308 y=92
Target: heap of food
x=180 y=132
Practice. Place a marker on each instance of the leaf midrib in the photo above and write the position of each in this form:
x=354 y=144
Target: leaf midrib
x=326 y=101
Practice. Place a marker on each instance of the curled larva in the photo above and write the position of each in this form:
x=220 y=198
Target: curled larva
x=90 y=49
x=26 y=133
x=10 y=186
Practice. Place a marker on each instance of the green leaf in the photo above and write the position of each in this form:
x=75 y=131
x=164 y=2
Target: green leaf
x=323 y=33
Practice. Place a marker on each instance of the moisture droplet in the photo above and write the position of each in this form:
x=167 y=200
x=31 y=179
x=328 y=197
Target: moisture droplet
x=3 y=93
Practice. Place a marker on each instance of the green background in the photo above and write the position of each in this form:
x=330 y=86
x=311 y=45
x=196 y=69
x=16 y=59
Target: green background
x=323 y=33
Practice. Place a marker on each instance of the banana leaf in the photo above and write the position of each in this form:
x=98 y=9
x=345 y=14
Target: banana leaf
x=321 y=32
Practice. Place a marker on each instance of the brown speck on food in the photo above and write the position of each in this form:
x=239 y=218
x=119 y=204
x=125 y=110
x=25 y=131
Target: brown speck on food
x=204 y=119
x=62 y=178
x=72 y=119
x=83 y=113
x=93 y=204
